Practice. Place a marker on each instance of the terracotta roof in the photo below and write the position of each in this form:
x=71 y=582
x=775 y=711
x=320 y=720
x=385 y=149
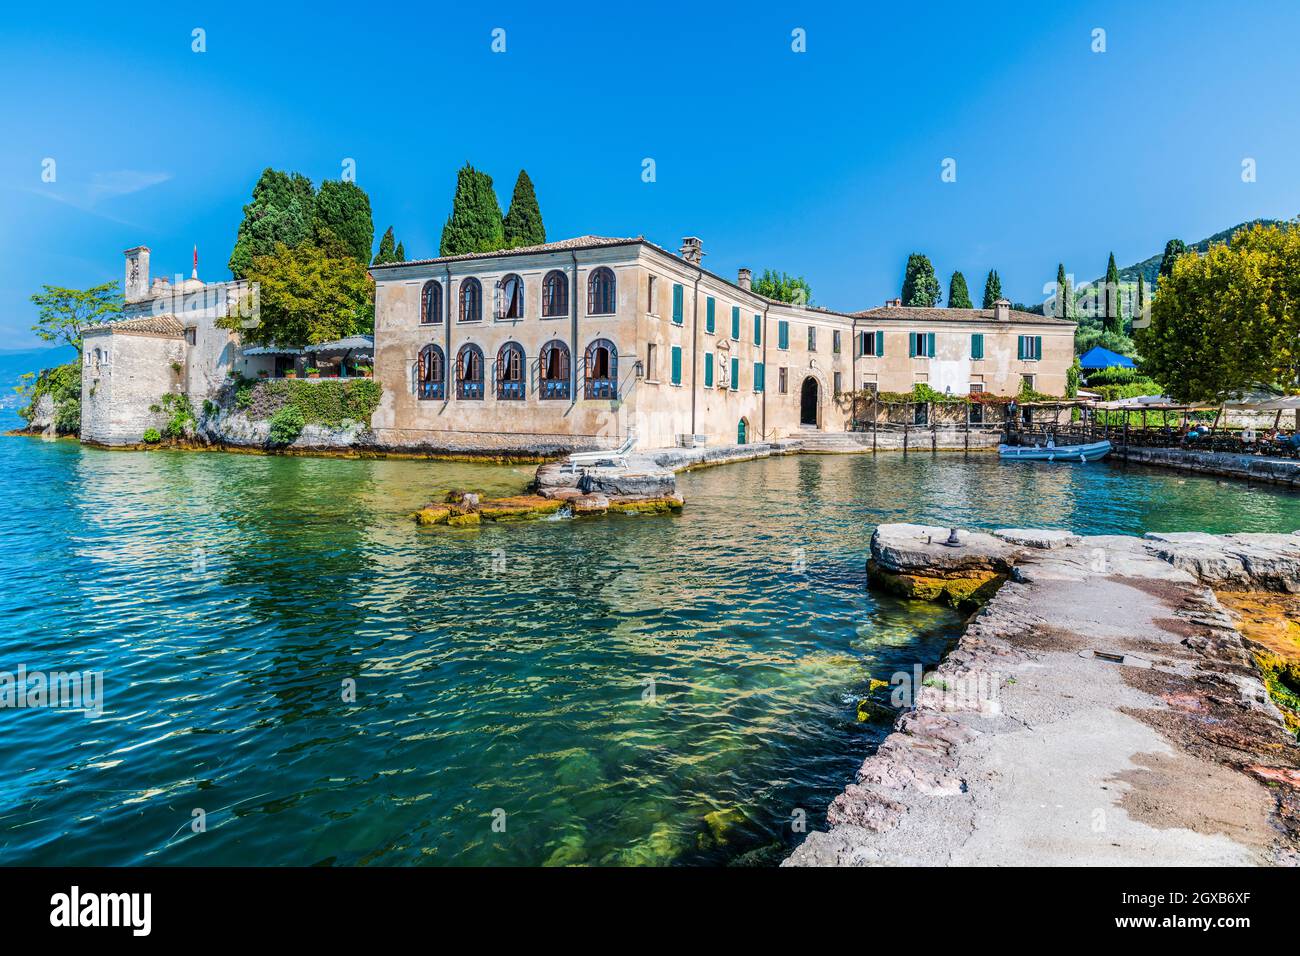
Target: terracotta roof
x=563 y=245
x=165 y=325
x=919 y=314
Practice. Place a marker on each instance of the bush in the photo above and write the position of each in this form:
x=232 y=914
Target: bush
x=63 y=385
x=152 y=436
x=67 y=417
x=319 y=402
x=286 y=425
x=182 y=422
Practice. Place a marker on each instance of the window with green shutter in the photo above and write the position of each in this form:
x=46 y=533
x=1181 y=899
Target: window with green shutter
x=735 y=322
x=735 y=374
x=977 y=345
x=677 y=303
x=759 y=374
x=709 y=307
x=708 y=369
x=783 y=335
x=1029 y=348
x=758 y=329
x=921 y=344
x=677 y=365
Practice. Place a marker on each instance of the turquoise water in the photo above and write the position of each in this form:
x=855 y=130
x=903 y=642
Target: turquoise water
x=227 y=598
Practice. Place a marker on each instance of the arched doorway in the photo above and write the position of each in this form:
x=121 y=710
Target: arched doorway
x=808 y=402
x=742 y=431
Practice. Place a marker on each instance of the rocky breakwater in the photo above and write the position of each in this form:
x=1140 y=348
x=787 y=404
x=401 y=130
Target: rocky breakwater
x=1102 y=708
x=462 y=509
x=640 y=486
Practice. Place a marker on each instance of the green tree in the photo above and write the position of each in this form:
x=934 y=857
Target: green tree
x=387 y=249
x=400 y=254
x=958 y=294
x=523 y=223
x=1064 y=304
x=66 y=313
x=1173 y=249
x=342 y=210
x=782 y=287
x=280 y=211
x=1228 y=320
x=1113 y=316
x=475 y=223
x=1140 y=307
x=920 y=286
x=307 y=295
x=992 y=289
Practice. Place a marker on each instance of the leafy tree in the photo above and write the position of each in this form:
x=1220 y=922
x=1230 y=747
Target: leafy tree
x=1113 y=316
x=1064 y=294
x=280 y=211
x=475 y=223
x=343 y=210
x=1173 y=249
x=992 y=289
x=958 y=294
x=523 y=223
x=308 y=295
x=1086 y=336
x=1228 y=320
x=387 y=249
x=66 y=313
x=400 y=254
x=920 y=286
x=783 y=287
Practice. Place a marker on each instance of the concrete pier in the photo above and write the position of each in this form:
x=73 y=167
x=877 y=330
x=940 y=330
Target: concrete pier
x=1101 y=709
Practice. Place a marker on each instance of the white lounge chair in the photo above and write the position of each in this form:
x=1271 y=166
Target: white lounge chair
x=616 y=458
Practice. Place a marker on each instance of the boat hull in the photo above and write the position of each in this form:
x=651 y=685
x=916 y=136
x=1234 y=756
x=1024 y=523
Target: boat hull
x=1094 y=451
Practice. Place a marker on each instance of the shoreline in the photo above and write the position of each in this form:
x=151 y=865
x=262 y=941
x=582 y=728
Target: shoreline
x=1103 y=706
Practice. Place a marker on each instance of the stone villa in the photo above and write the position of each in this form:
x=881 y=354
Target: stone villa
x=573 y=344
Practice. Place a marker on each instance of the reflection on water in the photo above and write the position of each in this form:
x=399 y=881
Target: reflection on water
x=626 y=690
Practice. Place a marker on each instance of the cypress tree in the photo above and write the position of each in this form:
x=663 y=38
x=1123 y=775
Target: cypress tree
x=523 y=223
x=1141 y=298
x=342 y=214
x=387 y=250
x=1173 y=249
x=281 y=210
x=1113 y=320
x=1064 y=294
x=920 y=286
x=475 y=223
x=992 y=289
x=958 y=294
x=400 y=254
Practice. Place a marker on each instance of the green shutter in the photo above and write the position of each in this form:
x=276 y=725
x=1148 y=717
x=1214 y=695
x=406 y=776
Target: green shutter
x=758 y=376
x=1038 y=346
x=735 y=374
x=1020 y=348
x=977 y=345
x=677 y=365
x=783 y=335
x=880 y=344
x=911 y=344
x=758 y=329
x=677 y=303
x=708 y=369
x=929 y=345
x=735 y=322
x=708 y=314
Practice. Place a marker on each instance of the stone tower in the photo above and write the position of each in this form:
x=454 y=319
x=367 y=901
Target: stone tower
x=136 y=286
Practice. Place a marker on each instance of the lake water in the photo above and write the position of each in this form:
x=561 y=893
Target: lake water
x=607 y=691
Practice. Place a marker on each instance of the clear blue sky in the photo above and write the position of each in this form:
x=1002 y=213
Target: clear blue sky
x=825 y=164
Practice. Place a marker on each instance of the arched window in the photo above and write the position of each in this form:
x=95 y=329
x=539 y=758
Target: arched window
x=431 y=376
x=471 y=300
x=553 y=374
x=431 y=302
x=555 y=294
x=600 y=292
x=510 y=297
x=469 y=372
x=601 y=371
x=510 y=372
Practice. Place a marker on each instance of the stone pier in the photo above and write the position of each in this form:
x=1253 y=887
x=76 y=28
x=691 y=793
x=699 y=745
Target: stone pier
x=1102 y=709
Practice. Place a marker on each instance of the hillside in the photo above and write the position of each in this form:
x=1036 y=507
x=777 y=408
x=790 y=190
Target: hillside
x=1149 y=268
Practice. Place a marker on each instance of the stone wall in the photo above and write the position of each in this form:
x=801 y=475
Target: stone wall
x=123 y=375
x=1278 y=471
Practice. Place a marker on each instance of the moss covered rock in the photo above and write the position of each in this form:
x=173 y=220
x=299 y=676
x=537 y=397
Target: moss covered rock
x=431 y=514
x=469 y=519
x=964 y=590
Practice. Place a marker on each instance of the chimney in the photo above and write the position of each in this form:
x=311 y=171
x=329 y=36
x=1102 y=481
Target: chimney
x=745 y=279
x=136 y=286
x=1002 y=311
x=893 y=303
x=692 y=250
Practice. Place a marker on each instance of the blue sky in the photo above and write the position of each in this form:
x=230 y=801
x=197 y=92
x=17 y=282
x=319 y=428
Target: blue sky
x=825 y=163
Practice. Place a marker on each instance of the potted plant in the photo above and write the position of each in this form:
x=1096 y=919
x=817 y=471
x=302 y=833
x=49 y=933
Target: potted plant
x=313 y=373
x=262 y=373
x=291 y=373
